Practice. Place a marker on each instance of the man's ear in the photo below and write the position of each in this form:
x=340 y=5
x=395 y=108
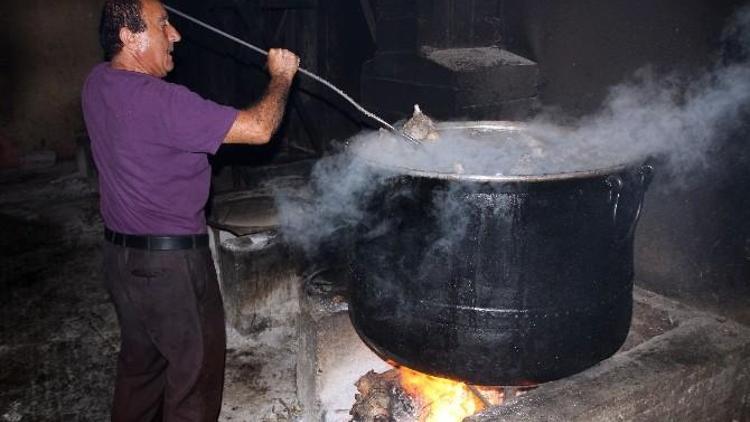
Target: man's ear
x=127 y=37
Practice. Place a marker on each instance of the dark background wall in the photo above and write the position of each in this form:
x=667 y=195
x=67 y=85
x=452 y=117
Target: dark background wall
x=46 y=48
x=586 y=46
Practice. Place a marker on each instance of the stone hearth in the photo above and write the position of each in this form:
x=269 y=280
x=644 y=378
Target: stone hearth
x=676 y=364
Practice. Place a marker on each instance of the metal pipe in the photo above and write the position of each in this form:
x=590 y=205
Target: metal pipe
x=301 y=70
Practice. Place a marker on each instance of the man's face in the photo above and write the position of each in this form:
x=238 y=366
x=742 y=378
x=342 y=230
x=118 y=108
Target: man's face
x=155 y=44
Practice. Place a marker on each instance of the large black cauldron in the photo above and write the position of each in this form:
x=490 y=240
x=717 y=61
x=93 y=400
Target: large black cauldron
x=498 y=280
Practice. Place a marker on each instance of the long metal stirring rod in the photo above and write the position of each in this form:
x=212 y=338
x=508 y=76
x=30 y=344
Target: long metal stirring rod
x=301 y=70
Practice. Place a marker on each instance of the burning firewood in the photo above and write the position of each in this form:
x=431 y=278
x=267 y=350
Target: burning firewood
x=404 y=395
x=382 y=399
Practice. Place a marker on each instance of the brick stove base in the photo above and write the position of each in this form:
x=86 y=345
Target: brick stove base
x=677 y=364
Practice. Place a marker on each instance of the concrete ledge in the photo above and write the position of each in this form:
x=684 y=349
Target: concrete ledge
x=258 y=276
x=697 y=371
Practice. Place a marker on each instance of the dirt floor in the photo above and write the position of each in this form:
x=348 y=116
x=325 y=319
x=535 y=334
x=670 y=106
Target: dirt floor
x=58 y=331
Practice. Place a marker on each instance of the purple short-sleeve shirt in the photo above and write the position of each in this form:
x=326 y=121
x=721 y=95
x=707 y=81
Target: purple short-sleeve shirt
x=150 y=140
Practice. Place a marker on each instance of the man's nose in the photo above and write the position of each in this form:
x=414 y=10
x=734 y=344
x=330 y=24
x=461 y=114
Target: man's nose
x=174 y=35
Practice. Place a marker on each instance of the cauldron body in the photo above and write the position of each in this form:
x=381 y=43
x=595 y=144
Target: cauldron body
x=510 y=282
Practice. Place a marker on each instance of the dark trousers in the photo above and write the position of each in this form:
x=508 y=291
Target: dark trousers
x=171 y=362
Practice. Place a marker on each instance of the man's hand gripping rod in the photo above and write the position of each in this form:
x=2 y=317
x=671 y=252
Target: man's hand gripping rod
x=301 y=70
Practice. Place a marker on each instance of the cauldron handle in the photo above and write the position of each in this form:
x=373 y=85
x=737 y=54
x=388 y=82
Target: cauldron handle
x=615 y=182
x=646 y=173
x=615 y=186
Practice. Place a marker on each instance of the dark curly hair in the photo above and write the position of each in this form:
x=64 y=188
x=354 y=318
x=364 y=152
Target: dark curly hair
x=117 y=14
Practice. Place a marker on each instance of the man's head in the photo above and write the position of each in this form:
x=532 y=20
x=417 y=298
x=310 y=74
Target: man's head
x=138 y=36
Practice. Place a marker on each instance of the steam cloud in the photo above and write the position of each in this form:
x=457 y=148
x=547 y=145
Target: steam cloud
x=668 y=116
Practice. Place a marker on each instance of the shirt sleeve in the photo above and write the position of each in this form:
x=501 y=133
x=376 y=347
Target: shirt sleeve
x=192 y=123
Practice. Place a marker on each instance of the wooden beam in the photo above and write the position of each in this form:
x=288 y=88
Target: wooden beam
x=369 y=17
x=288 y=4
x=279 y=28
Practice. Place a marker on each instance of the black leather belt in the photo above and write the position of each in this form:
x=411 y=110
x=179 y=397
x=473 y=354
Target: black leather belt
x=157 y=243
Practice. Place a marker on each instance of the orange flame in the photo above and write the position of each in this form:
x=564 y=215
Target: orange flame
x=446 y=400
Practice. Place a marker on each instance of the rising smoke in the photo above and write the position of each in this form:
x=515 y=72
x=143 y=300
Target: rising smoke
x=670 y=117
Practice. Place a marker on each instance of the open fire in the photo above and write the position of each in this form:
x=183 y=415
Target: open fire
x=445 y=400
x=405 y=395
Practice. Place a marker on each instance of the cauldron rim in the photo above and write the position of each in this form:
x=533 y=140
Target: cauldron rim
x=501 y=125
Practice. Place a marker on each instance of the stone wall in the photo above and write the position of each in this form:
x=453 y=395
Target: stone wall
x=48 y=49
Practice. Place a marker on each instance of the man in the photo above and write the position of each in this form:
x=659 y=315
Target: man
x=150 y=141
